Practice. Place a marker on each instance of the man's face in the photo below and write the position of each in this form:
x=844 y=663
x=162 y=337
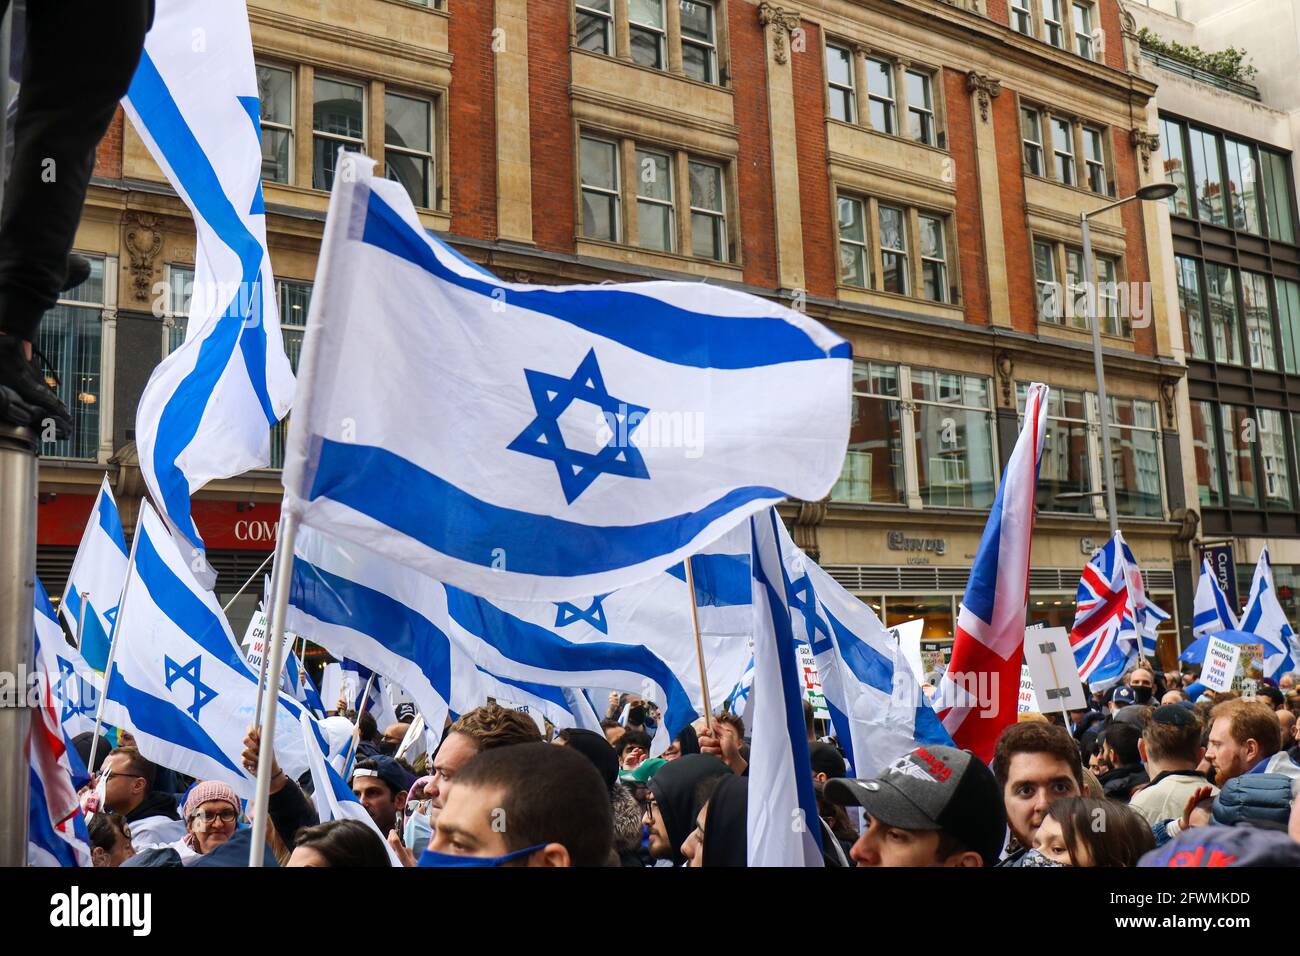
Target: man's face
x=660 y=848
x=693 y=848
x=394 y=734
x=1141 y=678
x=379 y=801
x=1286 y=683
x=883 y=845
x=615 y=734
x=119 y=853
x=1034 y=781
x=456 y=751
x=1228 y=758
x=1172 y=697
x=123 y=790
x=213 y=823
x=469 y=824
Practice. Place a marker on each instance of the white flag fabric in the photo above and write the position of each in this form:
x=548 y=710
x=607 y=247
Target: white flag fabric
x=330 y=792
x=783 y=827
x=1211 y=612
x=179 y=681
x=876 y=704
x=1263 y=616
x=208 y=408
x=75 y=688
x=98 y=573
x=548 y=442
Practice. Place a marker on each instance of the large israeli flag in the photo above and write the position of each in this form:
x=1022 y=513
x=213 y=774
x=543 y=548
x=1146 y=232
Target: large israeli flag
x=330 y=792
x=208 y=408
x=532 y=442
x=179 y=681
x=75 y=688
x=1211 y=612
x=783 y=826
x=1263 y=616
x=98 y=573
x=875 y=701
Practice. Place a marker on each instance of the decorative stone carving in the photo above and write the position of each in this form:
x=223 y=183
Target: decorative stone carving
x=806 y=520
x=144 y=241
x=1146 y=145
x=1189 y=520
x=1168 y=395
x=1006 y=378
x=986 y=90
x=786 y=23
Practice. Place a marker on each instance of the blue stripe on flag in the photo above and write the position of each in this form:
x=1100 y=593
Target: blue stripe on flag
x=721 y=580
x=661 y=330
x=111 y=523
x=453 y=522
x=868 y=665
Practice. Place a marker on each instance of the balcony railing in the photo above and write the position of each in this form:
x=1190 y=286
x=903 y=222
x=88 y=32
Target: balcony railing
x=1248 y=90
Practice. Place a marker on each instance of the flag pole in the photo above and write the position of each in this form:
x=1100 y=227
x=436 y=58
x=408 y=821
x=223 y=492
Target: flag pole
x=81 y=617
x=262 y=664
x=243 y=587
x=356 y=724
x=699 y=647
x=282 y=568
x=117 y=630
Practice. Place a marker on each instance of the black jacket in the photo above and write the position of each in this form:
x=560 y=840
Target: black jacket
x=291 y=811
x=1118 y=784
x=157 y=804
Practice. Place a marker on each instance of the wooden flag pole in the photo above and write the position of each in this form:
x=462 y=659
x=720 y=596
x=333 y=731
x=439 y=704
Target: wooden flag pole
x=699 y=648
x=81 y=618
x=356 y=724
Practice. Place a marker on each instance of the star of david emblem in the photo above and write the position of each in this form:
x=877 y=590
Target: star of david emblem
x=203 y=694
x=66 y=675
x=552 y=395
x=111 y=616
x=804 y=598
x=567 y=613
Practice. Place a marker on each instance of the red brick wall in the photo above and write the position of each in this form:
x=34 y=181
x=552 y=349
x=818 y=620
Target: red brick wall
x=814 y=177
x=472 y=123
x=1015 y=226
x=969 y=217
x=108 y=154
x=1110 y=23
x=551 y=125
x=997 y=11
x=754 y=164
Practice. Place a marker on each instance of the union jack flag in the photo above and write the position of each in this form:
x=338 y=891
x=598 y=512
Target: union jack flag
x=976 y=699
x=1112 y=616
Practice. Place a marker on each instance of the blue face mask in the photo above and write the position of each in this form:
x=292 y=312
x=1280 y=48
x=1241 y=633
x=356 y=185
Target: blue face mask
x=433 y=858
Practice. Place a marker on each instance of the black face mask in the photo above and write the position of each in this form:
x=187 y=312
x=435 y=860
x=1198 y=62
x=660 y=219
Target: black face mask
x=636 y=716
x=1143 y=694
x=388 y=747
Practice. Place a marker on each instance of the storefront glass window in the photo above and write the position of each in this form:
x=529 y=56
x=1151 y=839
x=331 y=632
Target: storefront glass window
x=1239 y=430
x=873 y=464
x=1064 y=475
x=1135 y=449
x=954 y=434
x=935 y=609
x=1205 y=448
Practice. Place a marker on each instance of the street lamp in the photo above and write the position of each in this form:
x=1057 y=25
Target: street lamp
x=1152 y=192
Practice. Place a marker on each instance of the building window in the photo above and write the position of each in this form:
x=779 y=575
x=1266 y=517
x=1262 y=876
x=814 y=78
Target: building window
x=1065 y=468
x=1243 y=196
x=699 y=41
x=1113 y=322
x=1063 y=150
x=70 y=337
x=1279 y=199
x=1191 y=304
x=294 y=299
x=880 y=92
x=275 y=94
x=1171 y=141
x=1257 y=318
x=920 y=107
x=1022 y=17
x=1225 y=321
x=594 y=25
x=656 y=226
x=1094 y=158
x=1288 y=318
x=1135 y=450
x=853 y=242
x=1275 y=462
x=840 y=86
x=600 y=190
x=1031 y=130
x=893 y=250
x=873 y=465
x=647 y=32
x=1205 y=450
x=1083 y=42
x=1046 y=284
x=1053 y=27
x=338 y=121
x=1209 y=176
x=934 y=259
x=953 y=421
x=1238 y=431
x=708 y=211
x=176 y=317
x=408 y=146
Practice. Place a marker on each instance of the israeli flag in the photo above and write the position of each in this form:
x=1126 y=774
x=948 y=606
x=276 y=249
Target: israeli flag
x=1151 y=616
x=741 y=698
x=330 y=792
x=1264 y=617
x=1211 y=612
x=179 y=681
x=98 y=573
x=208 y=408
x=783 y=827
x=875 y=701
x=75 y=687
x=548 y=442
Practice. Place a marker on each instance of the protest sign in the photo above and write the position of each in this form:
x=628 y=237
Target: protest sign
x=1026 y=700
x=908 y=636
x=1220 y=667
x=812 y=682
x=1051 y=665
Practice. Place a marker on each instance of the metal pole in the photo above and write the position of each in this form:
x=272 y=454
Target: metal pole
x=699 y=647
x=81 y=617
x=117 y=630
x=282 y=569
x=244 y=587
x=262 y=664
x=356 y=724
x=1090 y=299
x=18 y=487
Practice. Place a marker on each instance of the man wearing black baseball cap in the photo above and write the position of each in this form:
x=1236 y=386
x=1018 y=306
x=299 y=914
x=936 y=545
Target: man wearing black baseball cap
x=935 y=806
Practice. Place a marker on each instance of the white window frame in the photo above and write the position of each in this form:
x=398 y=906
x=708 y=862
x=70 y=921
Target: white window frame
x=710 y=47
x=1084 y=43
x=1022 y=16
x=928 y=119
x=851 y=89
x=903 y=253
x=359 y=144
x=429 y=157
x=1053 y=27
x=282 y=127
x=1058 y=152
x=889 y=101
x=945 y=295
x=1036 y=126
x=863 y=245
x=581 y=7
x=670 y=203
x=1052 y=282
x=719 y=216
x=616 y=192
x=660 y=33
x=1095 y=165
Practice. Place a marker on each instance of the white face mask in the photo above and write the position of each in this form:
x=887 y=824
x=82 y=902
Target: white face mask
x=417 y=832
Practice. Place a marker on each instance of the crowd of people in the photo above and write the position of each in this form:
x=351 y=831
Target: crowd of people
x=1146 y=776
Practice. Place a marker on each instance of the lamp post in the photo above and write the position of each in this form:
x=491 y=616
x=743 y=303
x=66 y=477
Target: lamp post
x=1152 y=192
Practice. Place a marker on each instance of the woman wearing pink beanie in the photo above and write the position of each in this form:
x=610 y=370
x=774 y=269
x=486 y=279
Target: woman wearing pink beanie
x=211 y=815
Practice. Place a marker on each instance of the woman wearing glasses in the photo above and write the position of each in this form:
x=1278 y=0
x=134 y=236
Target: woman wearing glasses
x=211 y=817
